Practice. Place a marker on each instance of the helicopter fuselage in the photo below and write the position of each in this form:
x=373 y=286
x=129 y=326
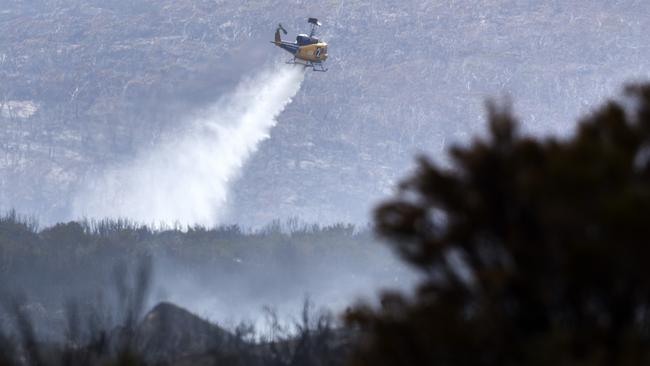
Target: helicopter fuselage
x=314 y=52
x=307 y=50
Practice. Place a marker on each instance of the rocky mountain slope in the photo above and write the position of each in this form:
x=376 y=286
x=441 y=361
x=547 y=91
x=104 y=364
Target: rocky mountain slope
x=88 y=83
x=170 y=332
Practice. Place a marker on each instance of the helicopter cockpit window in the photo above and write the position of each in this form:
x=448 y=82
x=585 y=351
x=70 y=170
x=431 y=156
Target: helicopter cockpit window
x=304 y=39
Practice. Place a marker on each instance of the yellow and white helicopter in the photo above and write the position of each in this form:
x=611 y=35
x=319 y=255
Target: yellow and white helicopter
x=308 y=50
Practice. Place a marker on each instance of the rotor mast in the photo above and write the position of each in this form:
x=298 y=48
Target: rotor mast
x=314 y=24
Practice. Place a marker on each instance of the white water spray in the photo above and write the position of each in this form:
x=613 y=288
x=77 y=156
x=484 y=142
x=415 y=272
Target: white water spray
x=186 y=180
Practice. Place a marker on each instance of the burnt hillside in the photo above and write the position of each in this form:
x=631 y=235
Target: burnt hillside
x=85 y=84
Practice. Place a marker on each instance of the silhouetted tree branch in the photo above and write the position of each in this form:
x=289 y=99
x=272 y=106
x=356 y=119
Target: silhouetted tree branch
x=535 y=251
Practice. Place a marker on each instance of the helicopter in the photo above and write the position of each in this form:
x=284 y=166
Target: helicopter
x=308 y=50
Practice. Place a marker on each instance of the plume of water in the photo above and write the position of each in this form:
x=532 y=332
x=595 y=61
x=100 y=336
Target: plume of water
x=186 y=179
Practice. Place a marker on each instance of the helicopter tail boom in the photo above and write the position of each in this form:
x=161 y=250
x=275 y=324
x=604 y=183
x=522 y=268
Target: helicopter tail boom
x=292 y=48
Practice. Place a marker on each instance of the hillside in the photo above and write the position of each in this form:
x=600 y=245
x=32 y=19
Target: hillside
x=223 y=273
x=85 y=84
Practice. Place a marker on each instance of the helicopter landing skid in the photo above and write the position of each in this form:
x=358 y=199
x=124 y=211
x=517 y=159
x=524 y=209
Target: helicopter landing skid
x=318 y=67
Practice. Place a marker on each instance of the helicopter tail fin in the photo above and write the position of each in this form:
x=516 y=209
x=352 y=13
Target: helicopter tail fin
x=278 y=38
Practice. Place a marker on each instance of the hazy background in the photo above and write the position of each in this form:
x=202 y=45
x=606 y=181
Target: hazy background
x=180 y=114
x=89 y=86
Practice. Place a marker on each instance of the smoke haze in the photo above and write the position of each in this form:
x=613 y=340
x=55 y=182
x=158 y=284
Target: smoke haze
x=185 y=180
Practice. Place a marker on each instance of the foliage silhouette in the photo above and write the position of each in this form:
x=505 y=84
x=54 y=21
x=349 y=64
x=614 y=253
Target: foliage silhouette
x=90 y=341
x=534 y=252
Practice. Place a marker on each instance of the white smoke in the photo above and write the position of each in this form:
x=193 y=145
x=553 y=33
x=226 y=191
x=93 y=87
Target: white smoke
x=185 y=180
